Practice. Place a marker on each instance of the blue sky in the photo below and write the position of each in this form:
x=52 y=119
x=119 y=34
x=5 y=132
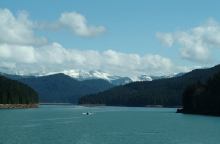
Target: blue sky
x=131 y=27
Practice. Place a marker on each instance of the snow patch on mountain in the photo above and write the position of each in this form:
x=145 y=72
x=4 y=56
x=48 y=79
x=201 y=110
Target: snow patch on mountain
x=84 y=75
x=114 y=79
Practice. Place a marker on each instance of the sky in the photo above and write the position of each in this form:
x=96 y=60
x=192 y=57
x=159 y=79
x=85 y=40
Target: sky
x=121 y=37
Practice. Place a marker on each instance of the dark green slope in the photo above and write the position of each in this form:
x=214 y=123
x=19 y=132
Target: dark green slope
x=14 y=92
x=60 y=88
x=166 y=92
x=203 y=98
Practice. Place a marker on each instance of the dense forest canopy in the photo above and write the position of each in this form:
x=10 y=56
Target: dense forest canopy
x=203 y=98
x=14 y=92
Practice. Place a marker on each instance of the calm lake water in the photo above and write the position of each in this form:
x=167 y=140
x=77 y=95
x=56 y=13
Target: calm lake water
x=108 y=125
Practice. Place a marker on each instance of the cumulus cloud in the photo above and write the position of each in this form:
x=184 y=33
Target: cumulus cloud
x=196 y=43
x=73 y=22
x=18 y=53
x=54 y=57
x=17 y=29
x=77 y=23
x=21 y=51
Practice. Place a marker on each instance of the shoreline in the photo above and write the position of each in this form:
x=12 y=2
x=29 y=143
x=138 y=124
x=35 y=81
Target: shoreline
x=182 y=111
x=18 y=106
x=56 y=104
x=91 y=105
x=147 y=106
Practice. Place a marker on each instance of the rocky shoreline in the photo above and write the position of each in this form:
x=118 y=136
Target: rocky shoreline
x=18 y=106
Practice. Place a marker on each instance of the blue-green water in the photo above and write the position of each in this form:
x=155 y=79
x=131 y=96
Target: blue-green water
x=108 y=125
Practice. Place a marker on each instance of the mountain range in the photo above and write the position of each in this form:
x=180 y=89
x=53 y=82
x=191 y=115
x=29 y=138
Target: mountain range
x=114 y=79
x=60 y=88
x=68 y=86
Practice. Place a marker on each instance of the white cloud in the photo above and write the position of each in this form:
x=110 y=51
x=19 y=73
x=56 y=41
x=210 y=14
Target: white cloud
x=196 y=43
x=21 y=51
x=17 y=53
x=165 y=38
x=7 y=65
x=17 y=29
x=54 y=57
x=78 y=24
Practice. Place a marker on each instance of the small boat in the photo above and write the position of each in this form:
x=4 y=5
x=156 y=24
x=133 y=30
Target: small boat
x=87 y=113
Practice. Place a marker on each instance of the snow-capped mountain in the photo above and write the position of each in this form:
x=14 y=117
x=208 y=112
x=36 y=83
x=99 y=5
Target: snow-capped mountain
x=143 y=78
x=97 y=74
x=151 y=78
x=114 y=79
x=84 y=75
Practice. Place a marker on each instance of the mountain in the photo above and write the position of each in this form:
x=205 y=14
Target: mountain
x=90 y=75
x=121 y=81
x=68 y=86
x=14 y=92
x=203 y=98
x=142 y=78
x=145 y=77
x=114 y=79
x=82 y=75
x=166 y=92
x=60 y=88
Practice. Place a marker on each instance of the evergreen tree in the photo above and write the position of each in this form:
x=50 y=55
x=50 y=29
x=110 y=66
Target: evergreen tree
x=13 y=92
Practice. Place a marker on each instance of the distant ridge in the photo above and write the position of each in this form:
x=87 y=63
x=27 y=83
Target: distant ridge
x=82 y=75
x=60 y=88
x=165 y=92
x=69 y=86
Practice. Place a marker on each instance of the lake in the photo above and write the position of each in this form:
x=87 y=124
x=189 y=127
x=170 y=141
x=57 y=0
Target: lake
x=106 y=125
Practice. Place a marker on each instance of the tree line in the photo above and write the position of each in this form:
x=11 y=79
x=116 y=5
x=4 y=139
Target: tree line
x=13 y=92
x=203 y=98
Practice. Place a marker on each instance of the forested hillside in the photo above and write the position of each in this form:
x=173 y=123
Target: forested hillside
x=203 y=98
x=165 y=92
x=60 y=88
x=14 y=92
